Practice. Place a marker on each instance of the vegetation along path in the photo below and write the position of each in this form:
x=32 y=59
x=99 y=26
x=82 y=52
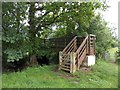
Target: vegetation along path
x=101 y=75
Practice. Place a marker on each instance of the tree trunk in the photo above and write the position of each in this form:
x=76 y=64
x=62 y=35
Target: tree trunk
x=32 y=32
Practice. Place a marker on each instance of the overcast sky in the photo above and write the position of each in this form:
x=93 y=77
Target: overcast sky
x=111 y=15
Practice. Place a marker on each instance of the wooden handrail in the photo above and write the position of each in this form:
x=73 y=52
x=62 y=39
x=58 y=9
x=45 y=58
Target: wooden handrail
x=82 y=45
x=81 y=52
x=68 y=49
x=69 y=44
x=92 y=35
x=75 y=56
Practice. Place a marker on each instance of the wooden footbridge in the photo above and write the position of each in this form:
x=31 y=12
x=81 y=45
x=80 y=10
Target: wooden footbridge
x=73 y=51
x=73 y=55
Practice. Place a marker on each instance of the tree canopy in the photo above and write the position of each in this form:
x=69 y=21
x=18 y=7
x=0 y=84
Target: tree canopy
x=24 y=23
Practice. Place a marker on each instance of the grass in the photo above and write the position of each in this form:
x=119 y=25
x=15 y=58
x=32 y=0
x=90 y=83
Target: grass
x=0 y=80
x=102 y=75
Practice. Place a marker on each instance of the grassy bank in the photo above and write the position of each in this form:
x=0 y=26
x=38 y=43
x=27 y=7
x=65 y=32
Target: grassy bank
x=101 y=75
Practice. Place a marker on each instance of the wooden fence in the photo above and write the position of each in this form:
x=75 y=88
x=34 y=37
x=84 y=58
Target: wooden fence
x=60 y=43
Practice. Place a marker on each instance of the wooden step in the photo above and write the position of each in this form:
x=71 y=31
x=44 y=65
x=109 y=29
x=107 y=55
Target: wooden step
x=91 y=46
x=65 y=69
x=65 y=66
x=68 y=63
x=91 y=42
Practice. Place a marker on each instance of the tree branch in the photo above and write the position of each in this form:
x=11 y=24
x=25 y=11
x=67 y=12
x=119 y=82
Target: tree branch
x=40 y=8
x=47 y=24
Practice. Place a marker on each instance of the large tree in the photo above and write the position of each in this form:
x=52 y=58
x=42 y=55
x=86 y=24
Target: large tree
x=13 y=14
x=25 y=23
x=104 y=38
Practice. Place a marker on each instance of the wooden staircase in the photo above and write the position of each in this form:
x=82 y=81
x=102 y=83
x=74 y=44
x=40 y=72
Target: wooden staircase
x=73 y=55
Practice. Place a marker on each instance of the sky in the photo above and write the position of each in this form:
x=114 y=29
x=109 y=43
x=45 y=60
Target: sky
x=111 y=14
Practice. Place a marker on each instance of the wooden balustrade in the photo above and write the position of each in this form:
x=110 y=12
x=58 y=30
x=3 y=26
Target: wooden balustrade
x=71 y=57
x=70 y=45
x=66 y=55
x=81 y=52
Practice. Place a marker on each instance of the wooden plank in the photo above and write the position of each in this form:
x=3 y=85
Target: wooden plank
x=65 y=66
x=65 y=69
x=94 y=46
x=71 y=62
x=91 y=35
x=81 y=55
x=67 y=63
x=70 y=49
x=69 y=44
x=66 y=58
x=84 y=47
x=80 y=47
x=80 y=60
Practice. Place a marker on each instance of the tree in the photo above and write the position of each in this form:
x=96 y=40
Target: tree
x=77 y=19
x=25 y=23
x=69 y=18
x=104 y=38
x=13 y=31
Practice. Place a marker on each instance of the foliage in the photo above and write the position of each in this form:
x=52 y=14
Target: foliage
x=76 y=19
x=118 y=57
x=104 y=39
x=24 y=23
x=13 y=35
x=112 y=52
x=102 y=75
x=115 y=42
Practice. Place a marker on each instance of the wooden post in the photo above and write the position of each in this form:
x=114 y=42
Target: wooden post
x=71 y=68
x=90 y=44
x=95 y=44
x=72 y=62
x=87 y=45
x=77 y=62
x=60 y=59
x=74 y=66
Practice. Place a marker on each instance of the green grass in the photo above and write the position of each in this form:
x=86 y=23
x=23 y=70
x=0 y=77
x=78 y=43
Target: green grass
x=0 y=81
x=102 y=75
